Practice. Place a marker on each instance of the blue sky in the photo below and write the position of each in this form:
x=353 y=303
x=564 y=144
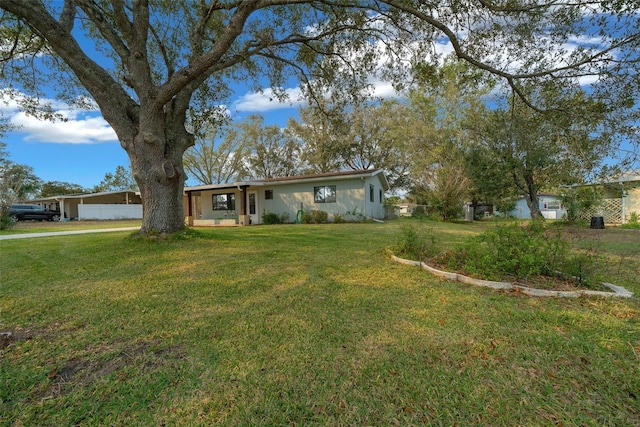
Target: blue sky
x=84 y=148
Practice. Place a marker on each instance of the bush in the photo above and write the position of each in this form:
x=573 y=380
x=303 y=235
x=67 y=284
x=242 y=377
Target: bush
x=576 y=201
x=416 y=244
x=515 y=250
x=315 y=217
x=512 y=251
x=419 y=212
x=274 y=218
x=5 y=222
x=338 y=219
x=355 y=216
x=5 y=219
x=634 y=221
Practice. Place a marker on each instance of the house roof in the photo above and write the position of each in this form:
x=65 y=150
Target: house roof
x=83 y=195
x=331 y=176
x=619 y=179
x=629 y=176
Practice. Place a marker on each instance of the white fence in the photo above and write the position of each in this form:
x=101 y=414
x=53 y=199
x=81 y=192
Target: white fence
x=609 y=209
x=109 y=211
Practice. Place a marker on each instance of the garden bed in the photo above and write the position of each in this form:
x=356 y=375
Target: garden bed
x=609 y=290
x=531 y=258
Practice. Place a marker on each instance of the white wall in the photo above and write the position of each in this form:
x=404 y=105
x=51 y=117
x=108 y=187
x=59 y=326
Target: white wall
x=109 y=211
x=522 y=209
x=352 y=194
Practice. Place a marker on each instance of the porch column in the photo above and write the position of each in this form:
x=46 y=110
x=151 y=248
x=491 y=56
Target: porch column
x=243 y=219
x=624 y=207
x=189 y=209
x=63 y=214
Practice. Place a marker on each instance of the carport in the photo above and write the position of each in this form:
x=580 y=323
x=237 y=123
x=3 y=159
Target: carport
x=125 y=204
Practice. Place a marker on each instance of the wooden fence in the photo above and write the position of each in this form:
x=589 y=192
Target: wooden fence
x=609 y=209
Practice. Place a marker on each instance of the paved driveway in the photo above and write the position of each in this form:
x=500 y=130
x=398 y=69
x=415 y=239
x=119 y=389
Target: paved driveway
x=64 y=233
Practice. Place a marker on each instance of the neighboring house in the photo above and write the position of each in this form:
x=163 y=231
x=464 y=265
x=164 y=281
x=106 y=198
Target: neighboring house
x=620 y=198
x=244 y=202
x=550 y=206
x=125 y=204
x=405 y=209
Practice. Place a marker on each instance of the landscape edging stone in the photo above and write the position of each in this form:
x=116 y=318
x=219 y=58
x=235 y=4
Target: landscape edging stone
x=617 y=291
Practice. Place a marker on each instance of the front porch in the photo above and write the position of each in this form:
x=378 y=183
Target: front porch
x=217 y=222
x=218 y=208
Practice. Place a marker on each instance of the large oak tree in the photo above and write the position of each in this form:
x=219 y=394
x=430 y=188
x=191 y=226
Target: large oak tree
x=153 y=60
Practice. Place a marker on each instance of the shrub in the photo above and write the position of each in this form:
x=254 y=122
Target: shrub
x=515 y=250
x=582 y=267
x=5 y=222
x=338 y=219
x=274 y=218
x=419 y=212
x=5 y=219
x=354 y=215
x=577 y=201
x=633 y=222
x=416 y=244
x=315 y=217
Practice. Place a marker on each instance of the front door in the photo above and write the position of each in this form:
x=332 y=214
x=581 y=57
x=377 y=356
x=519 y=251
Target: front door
x=252 y=197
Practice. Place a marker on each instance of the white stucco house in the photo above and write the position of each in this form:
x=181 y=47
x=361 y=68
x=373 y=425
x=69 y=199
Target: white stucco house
x=550 y=206
x=244 y=202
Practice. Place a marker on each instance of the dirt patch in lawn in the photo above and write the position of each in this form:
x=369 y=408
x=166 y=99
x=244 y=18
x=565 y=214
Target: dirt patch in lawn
x=14 y=335
x=132 y=360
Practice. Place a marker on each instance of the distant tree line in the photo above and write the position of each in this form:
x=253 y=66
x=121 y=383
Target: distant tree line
x=456 y=136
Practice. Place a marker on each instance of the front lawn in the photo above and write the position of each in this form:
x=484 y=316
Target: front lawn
x=303 y=325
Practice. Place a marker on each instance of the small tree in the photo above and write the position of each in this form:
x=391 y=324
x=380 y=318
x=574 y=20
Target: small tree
x=576 y=200
x=57 y=188
x=120 y=180
x=17 y=182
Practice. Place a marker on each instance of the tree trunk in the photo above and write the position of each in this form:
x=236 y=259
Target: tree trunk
x=156 y=162
x=162 y=198
x=531 y=197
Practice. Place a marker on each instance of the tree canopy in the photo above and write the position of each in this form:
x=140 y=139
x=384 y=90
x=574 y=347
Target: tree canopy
x=121 y=179
x=151 y=61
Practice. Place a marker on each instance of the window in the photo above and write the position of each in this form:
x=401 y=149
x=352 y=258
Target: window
x=324 y=194
x=380 y=196
x=268 y=194
x=371 y=193
x=553 y=205
x=224 y=202
x=252 y=203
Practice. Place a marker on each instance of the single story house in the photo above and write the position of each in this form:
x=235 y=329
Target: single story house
x=359 y=192
x=125 y=204
x=550 y=206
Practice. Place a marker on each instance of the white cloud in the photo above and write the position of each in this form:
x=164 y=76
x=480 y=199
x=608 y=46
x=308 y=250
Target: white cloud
x=80 y=127
x=267 y=101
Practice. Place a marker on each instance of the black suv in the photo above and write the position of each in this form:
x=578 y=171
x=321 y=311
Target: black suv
x=25 y=212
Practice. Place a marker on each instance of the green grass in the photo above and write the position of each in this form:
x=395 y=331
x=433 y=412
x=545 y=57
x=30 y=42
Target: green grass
x=303 y=325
